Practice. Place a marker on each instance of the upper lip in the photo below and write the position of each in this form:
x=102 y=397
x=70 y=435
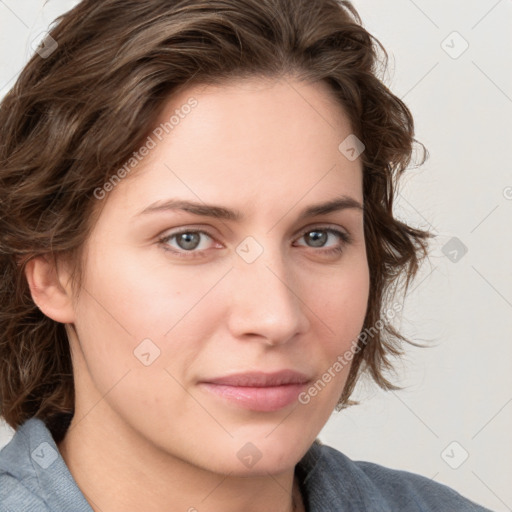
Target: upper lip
x=261 y=379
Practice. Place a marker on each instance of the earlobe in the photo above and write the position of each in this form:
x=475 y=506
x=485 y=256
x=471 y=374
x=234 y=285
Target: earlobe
x=50 y=291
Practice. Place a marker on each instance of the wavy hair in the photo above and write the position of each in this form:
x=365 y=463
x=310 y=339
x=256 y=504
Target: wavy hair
x=75 y=116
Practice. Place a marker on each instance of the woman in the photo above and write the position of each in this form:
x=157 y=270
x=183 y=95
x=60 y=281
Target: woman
x=197 y=248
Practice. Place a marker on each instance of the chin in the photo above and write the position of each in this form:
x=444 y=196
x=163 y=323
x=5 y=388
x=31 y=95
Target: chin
x=258 y=453
x=260 y=465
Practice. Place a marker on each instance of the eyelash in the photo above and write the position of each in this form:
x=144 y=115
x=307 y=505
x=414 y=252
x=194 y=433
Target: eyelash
x=345 y=238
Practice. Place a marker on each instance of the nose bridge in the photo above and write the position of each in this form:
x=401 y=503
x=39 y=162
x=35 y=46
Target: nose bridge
x=264 y=300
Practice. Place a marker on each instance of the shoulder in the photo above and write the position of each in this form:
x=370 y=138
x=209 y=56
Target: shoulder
x=33 y=475
x=330 y=479
x=18 y=480
x=15 y=497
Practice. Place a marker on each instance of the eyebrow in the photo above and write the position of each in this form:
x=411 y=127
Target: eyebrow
x=220 y=212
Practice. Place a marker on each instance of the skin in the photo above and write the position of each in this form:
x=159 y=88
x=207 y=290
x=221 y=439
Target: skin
x=151 y=437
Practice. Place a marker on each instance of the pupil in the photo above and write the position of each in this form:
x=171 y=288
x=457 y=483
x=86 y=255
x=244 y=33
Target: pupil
x=188 y=240
x=318 y=238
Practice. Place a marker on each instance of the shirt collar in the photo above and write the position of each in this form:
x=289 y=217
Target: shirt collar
x=33 y=457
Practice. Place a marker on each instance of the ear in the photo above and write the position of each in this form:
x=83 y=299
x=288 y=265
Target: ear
x=50 y=288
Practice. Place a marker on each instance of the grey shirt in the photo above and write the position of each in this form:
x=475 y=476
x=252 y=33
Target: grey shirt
x=35 y=478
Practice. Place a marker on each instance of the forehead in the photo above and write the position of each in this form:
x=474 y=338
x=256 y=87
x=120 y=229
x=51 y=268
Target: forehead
x=256 y=142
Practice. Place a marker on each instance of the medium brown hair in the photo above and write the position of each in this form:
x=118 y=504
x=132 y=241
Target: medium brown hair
x=76 y=116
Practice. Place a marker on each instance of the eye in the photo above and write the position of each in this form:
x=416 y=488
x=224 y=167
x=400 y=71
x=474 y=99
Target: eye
x=188 y=243
x=319 y=236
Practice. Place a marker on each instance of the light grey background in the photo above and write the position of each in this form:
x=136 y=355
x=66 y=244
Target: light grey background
x=457 y=400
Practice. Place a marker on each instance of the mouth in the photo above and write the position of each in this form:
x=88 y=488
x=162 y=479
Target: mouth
x=258 y=391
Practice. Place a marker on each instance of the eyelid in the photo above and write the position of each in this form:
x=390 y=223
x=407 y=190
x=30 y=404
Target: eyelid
x=171 y=234
x=164 y=240
x=344 y=236
x=342 y=233
x=312 y=227
x=198 y=229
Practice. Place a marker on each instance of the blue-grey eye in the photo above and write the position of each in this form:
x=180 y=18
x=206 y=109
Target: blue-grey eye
x=317 y=237
x=188 y=241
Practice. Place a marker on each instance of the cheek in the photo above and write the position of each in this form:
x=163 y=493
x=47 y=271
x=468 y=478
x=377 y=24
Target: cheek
x=341 y=304
x=144 y=297
x=129 y=309
x=340 y=300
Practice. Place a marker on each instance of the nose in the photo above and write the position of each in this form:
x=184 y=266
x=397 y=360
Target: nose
x=265 y=300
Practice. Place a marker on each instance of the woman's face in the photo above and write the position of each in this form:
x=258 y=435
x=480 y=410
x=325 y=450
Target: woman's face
x=213 y=337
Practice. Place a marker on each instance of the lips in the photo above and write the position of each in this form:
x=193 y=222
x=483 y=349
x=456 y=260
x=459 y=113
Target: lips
x=258 y=391
x=261 y=379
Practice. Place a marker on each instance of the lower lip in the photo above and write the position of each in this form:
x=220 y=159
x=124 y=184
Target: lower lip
x=263 y=399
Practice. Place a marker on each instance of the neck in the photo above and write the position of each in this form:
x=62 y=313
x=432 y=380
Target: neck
x=116 y=469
